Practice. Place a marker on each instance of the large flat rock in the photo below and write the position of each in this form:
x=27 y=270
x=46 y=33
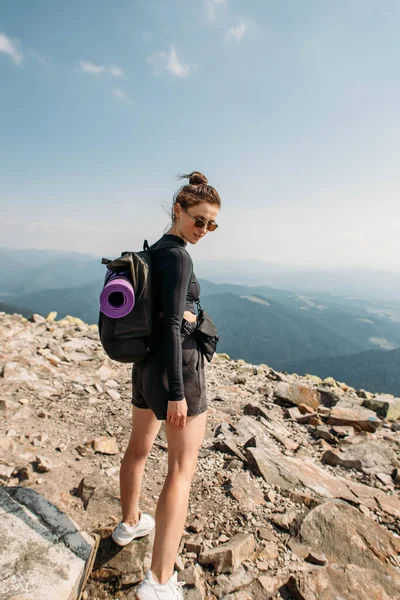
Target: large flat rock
x=43 y=554
x=385 y=406
x=294 y=473
x=357 y=549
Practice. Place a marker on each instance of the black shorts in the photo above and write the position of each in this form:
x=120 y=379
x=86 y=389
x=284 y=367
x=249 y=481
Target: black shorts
x=150 y=385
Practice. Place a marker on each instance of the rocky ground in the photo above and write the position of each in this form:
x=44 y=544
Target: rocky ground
x=296 y=491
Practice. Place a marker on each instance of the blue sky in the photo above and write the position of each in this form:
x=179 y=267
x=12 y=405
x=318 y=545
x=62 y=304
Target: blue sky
x=291 y=109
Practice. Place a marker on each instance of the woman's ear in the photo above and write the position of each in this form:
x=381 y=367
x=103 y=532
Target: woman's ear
x=177 y=210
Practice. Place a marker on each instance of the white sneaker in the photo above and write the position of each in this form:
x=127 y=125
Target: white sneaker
x=150 y=589
x=123 y=534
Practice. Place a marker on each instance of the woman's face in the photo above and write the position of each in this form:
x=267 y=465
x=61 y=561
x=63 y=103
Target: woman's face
x=186 y=219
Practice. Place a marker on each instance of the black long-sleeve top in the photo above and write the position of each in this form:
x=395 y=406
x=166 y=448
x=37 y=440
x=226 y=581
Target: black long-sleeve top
x=175 y=288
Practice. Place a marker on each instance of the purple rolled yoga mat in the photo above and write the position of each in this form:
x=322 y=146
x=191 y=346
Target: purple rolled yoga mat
x=117 y=297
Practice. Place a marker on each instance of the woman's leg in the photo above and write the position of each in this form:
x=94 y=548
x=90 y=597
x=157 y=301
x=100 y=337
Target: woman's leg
x=145 y=427
x=183 y=448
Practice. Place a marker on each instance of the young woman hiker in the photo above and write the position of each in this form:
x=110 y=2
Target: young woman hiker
x=169 y=385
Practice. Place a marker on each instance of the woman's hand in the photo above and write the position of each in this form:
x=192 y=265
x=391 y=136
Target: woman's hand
x=189 y=316
x=177 y=413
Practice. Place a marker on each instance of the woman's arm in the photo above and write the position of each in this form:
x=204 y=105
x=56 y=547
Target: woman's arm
x=175 y=281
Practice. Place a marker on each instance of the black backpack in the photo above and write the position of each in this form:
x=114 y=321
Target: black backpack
x=128 y=339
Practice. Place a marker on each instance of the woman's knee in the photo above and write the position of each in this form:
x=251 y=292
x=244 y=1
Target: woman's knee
x=138 y=450
x=184 y=467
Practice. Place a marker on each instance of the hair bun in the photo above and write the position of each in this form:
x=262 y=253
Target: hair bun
x=197 y=178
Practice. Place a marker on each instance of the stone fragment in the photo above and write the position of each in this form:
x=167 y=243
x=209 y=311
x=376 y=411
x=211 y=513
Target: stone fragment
x=7 y=445
x=105 y=445
x=367 y=457
x=385 y=478
x=357 y=416
x=299 y=549
x=268 y=552
x=43 y=464
x=121 y=567
x=323 y=431
x=38 y=439
x=69 y=320
x=310 y=419
x=279 y=433
x=111 y=383
x=385 y=406
x=306 y=410
x=271 y=496
x=330 y=381
x=240 y=380
x=14 y=372
x=316 y=559
x=389 y=504
x=293 y=413
x=192 y=576
x=227 y=557
x=324 y=411
x=6 y=471
x=284 y=520
x=271 y=585
x=313 y=378
x=179 y=564
x=51 y=317
x=246 y=491
x=229 y=446
x=236 y=581
x=105 y=372
x=53 y=360
x=35 y=318
x=298 y=394
x=343 y=431
x=43 y=553
x=198 y=524
x=265 y=533
x=44 y=414
x=114 y=394
x=193 y=545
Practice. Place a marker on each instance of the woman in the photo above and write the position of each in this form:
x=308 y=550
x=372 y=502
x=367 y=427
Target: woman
x=169 y=385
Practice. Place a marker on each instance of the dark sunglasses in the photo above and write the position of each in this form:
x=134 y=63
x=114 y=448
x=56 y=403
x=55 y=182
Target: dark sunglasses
x=210 y=226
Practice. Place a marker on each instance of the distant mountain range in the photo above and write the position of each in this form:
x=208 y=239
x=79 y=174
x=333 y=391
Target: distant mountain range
x=374 y=370
x=290 y=331
x=354 y=282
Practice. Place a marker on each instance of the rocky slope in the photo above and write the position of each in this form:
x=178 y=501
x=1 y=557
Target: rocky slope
x=296 y=492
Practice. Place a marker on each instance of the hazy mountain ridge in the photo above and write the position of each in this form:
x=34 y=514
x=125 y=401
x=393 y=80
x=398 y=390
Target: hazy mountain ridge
x=375 y=370
x=260 y=324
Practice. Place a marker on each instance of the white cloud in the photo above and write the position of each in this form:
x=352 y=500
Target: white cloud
x=116 y=72
x=236 y=33
x=168 y=61
x=119 y=94
x=210 y=8
x=10 y=47
x=89 y=67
